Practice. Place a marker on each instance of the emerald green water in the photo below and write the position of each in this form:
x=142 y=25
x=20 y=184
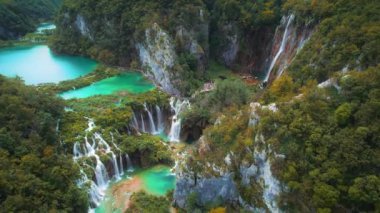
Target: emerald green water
x=38 y=64
x=157 y=181
x=132 y=82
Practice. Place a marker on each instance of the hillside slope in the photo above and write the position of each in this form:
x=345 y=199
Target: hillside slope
x=19 y=17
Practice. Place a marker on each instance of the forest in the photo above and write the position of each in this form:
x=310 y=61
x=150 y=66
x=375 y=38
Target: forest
x=20 y=17
x=305 y=140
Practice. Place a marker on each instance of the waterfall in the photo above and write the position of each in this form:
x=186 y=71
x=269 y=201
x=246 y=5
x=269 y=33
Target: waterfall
x=115 y=166
x=101 y=173
x=86 y=150
x=129 y=163
x=156 y=120
x=281 y=49
x=177 y=107
x=120 y=156
x=90 y=149
x=160 y=120
x=142 y=123
x=135 y=123
x=76 y=150
x=57 y=127
x=121 y=164
x=151 y=121
x=95 y=194
x=91 y=125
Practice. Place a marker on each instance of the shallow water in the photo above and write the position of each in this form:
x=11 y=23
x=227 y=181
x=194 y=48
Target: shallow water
x=157 y=181
x=132 y=82
x=38 y=64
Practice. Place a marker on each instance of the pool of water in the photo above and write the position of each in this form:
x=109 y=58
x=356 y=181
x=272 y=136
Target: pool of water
x=157 y=181
x=38 y=64
x=132 y=82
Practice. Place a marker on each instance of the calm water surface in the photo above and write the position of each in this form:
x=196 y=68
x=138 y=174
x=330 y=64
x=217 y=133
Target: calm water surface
x=38 y=64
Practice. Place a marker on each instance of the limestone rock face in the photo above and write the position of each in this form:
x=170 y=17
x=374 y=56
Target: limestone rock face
x=207 y=190
x=157 y=55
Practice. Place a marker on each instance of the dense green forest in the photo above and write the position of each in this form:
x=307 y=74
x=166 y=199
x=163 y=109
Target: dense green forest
x=36 y=176
x=19 y=17
x=322 y=140
x=331 y=142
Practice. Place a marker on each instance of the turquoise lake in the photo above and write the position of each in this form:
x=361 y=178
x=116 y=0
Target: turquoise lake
x=38 y=64
x=157 y=181
x=132 y=82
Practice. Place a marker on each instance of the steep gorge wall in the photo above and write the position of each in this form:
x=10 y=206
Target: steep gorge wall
x=174 y=45
x=146 y=37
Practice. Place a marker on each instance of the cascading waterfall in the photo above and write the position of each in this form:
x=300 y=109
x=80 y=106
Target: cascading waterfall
x=156 y=120
x=129 y=163
x=76 y=150
x=101 y=173
x=142 y=123
x=151 y=121
x=102 y=176
x=135 y=123
x=177 y=107
x=160 y=119
x=281 y=49
x=120 y=156
x=96 y=195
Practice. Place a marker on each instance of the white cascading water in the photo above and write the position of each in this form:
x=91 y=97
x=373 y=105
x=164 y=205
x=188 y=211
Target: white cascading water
x=156 y=120
x=160 y=119
x=95 y=194
x=177 y=107
x=129 y=163
x=284 y=40
x=142 y=123
x=76 y=150
x=102 y=178
x=135 y=123
x=101 y=174
x=120 y=155
x=153 y=129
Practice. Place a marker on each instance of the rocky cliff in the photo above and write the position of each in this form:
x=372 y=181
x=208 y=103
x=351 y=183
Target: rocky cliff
x=240 y=176
x=176 y=41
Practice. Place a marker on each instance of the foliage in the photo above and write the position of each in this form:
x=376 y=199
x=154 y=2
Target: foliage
x=34 y=176
x=142 y=202
x=21 y=17
x=246 y=14
x=228 y=93
x=347 y=38
x=101 y=72
x=149 y=149
x=331 y=144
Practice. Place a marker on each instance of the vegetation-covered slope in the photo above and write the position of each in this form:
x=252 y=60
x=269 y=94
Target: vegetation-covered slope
x=347 y=38
x=34 y=176
x=19 y=17
x=331 y=142
x=322 y=141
